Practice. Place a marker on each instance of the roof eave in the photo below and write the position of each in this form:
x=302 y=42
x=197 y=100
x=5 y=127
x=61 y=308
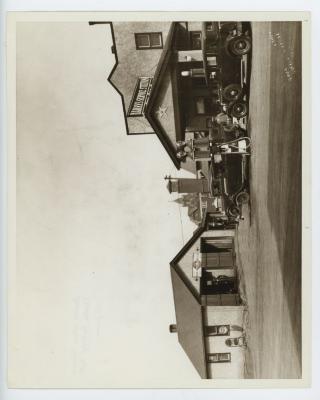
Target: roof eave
x=195 y=236
x=163 y=62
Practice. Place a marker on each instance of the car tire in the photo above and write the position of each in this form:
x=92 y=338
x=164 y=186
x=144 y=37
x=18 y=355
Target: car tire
x=240 y=45
x=232 y=92
x=242 y=198
x=239 y=109
x=233 y=211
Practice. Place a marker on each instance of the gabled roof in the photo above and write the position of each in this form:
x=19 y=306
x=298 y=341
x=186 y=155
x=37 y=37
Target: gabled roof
x=163 y=73
x=163 y=70
x=188 y=309
x=114 y=51
x=196 y=234
x=189 y=324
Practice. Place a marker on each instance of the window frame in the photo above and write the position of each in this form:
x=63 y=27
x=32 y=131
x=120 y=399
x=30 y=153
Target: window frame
x=204 y=98
x=192 y=34
x=219 y=358
x=150 y=47
x=209 y=106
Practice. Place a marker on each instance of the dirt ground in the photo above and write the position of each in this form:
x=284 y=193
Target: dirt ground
x=269 y=238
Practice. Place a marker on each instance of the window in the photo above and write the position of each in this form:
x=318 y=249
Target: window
x=203 y=105
x=206 y=106
x=200 y=106
x=217 y=330
x=219 y=357
x=195 y=40
x=150 y=40
x=212 y=61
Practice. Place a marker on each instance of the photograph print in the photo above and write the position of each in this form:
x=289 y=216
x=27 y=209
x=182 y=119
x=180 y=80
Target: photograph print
x=159 y=182
x=224 y=99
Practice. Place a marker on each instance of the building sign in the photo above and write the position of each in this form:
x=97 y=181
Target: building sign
x=140 y=97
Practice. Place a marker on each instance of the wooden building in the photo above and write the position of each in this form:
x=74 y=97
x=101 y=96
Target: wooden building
x=175 y=77
x=209 y=310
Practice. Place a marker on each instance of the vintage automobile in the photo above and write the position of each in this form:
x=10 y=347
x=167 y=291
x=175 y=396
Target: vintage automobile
x=221 y=80
x=210 y=284
x=227 y=155
x=223 y=46
x=229 y=174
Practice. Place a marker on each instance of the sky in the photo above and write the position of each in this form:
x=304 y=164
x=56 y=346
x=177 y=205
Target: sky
x=96 y=227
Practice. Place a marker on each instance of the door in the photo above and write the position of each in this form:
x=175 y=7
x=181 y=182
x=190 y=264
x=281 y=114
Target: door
x=217 y=252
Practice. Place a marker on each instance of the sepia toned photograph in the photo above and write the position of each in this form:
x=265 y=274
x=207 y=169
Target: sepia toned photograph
x=159 y=213
x=237 y=280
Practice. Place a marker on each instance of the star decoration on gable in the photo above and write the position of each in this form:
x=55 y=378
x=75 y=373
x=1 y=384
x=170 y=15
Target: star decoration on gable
x=162 y=112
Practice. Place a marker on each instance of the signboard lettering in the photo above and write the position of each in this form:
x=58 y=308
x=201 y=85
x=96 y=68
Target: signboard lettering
x=140 y=97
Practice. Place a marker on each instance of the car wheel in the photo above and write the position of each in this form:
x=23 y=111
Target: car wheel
x=239 y=109
x=233 y=211
x=242 y=198
x=240 y=45
x=232 y=92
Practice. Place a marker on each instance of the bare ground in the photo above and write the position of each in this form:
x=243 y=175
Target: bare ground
x=269 y=240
